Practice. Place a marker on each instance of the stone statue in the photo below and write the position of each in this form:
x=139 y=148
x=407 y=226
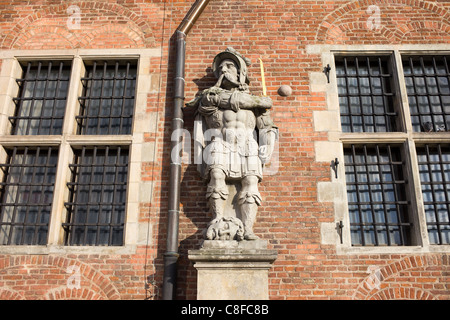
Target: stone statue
x=236 y=136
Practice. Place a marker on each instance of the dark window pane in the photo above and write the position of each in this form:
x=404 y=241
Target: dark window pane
x=428 y=89
x=376 y=194
x=41 y=103
x=434 y=172
x=365 y=94
x=96 y=209
x=107 y=103
x=26 y=195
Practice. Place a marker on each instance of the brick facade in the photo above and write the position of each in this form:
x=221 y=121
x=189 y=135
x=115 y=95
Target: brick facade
x=292 y=216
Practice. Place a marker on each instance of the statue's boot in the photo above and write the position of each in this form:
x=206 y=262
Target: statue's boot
x=249 y=207
x=217 y=197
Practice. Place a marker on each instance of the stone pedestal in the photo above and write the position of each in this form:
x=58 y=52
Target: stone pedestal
x=233 y=270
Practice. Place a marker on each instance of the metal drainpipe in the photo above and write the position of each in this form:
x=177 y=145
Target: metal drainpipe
x=171 y=254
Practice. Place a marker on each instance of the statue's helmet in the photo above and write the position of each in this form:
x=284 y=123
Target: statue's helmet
x=241 y=62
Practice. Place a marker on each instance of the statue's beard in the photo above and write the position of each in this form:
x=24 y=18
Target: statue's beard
x=227 y=81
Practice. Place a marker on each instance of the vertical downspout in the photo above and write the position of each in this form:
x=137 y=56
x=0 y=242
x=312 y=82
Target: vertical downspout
x=171 y=254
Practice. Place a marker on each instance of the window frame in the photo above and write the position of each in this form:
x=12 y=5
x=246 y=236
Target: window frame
x=86 y=98
x=24 y=190
x=392 y=78
x=408 y=138
x=76 y=202
x=431 y=183
x=401 y=200
x=414 y=95
x=21 y=97
x=10 y=70
x=338 y=232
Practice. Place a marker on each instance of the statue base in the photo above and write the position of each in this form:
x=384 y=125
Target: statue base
x=233 y=270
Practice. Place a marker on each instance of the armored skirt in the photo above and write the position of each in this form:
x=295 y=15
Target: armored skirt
x=237 y=160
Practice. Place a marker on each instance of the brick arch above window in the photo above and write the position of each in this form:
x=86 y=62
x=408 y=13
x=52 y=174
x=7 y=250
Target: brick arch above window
x=99 y=286
x=420 y=30
x=138 y=24
x=124 y=36
x=10 y=294
x=350 y=19
x=55 y=37
x=64 y=293
x=382 y=282
x=345 y=32
x=46 y=37
x=402 y=293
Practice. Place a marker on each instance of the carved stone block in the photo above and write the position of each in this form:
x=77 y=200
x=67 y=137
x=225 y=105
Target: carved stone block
x=233 y=270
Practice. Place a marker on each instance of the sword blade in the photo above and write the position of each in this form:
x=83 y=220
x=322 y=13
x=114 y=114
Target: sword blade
x=263 y=78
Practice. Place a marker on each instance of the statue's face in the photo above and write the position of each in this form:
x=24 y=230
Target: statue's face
x=229 y=69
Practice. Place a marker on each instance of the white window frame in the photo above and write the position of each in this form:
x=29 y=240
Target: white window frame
x=326 y=151
x=135 y=232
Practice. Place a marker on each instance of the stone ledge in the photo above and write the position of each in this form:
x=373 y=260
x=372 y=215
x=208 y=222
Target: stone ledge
x=233 y=244
x=233 y=251
x=230 y=255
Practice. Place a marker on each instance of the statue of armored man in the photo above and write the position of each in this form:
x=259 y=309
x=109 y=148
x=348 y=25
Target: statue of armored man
x=235 y=137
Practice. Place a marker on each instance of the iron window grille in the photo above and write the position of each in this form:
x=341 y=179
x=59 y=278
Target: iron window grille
x=41 y=103
x=365 y=93
x=96 y=206
x=26 y=195
x=434 y=168
x=376 y=191
x=107 y=102
x=427 y=81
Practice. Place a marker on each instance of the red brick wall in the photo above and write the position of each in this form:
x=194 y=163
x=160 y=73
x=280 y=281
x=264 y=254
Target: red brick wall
x=290 y=217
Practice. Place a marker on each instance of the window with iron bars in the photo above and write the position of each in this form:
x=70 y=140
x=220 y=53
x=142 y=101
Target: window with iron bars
x=427 y=83
x=106 y=105
x=434 y=169
x=402 y=141
x=376 y=190
x=26 y=195
x=366 y=96
x=97 y=175
x=40 y=105
x=96 y=206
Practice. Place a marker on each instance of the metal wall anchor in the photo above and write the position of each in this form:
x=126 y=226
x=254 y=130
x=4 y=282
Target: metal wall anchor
x=339 y=227
x=326 y=70
x=334 y=165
